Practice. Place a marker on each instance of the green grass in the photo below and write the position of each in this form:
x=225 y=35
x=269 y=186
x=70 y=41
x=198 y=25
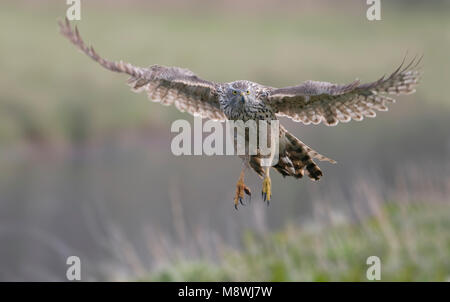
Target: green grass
x=412 y=241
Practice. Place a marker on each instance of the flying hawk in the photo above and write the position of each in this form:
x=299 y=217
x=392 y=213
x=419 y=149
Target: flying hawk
x=311 y=102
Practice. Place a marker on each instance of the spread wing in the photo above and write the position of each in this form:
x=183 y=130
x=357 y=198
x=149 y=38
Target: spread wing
x=166 y=85
x=316 y=102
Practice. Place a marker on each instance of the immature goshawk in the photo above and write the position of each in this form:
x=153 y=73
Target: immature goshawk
x=310 y=103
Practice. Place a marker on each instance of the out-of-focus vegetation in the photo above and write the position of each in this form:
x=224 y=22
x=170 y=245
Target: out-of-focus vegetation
x=86 y=167
x=412 y=242
x=52 y=92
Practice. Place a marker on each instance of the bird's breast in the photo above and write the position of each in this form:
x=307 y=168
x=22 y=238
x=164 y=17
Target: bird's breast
x=250 y=113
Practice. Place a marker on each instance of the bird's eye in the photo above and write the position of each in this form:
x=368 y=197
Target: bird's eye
x=248 y=92
x=234 y=92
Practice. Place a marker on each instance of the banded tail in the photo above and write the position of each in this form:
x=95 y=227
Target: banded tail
x=295 y=158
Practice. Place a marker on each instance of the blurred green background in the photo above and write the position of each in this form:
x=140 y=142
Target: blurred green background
x=86 y=167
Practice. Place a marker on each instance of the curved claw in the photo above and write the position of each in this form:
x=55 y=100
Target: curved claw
x=266 y=192
x=243 y=194
x=248 y=198
x=248 y=194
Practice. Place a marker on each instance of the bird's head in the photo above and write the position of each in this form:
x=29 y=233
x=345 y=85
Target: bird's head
x=240 y=94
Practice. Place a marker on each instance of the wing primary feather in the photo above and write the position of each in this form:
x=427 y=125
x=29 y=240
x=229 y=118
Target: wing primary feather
x=332 y=103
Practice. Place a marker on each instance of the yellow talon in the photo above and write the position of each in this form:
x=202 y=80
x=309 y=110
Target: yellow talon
x=241 y=189
x=267 y=189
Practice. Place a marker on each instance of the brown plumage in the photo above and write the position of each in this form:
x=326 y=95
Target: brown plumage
x=316 y=102
x=310 y=102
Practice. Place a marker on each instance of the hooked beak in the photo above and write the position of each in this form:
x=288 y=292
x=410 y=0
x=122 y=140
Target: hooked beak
x=242 y=97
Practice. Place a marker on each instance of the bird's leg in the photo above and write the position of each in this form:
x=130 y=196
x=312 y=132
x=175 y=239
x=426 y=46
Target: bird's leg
x=267 y=186
x=242 y=189
x=267 y=183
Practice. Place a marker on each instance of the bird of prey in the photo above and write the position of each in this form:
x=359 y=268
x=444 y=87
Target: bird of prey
x=311 y=102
